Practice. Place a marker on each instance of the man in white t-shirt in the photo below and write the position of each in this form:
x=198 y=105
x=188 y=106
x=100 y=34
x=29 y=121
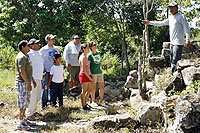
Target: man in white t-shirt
x=177 y=26
x=48 y=52
x=38 y=67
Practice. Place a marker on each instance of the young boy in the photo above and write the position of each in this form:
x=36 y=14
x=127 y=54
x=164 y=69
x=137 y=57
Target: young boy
x=56 y=80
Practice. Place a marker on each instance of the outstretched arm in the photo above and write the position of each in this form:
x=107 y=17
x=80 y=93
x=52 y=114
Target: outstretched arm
x=156 y=23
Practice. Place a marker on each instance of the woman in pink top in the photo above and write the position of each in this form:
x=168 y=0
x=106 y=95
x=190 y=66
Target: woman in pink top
x=85 y=76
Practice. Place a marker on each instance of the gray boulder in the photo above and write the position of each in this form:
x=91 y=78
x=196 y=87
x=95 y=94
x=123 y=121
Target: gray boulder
x=190 y=74
x=187 y=111
x=166 y=45
x=158 y=62
x=135 y=99
x=114 y=121
x=131 y=82
x=166 y=53
x=184 y=63
x=133 y=73
x=151 y=114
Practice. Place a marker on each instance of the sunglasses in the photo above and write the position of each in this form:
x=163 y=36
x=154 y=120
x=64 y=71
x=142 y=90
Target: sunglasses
x=95 y=44
x=77 y=38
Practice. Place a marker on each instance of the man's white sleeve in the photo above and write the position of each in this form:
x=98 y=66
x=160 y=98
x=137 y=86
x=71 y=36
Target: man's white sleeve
x=66 y=55
x=159 y=23
x=186 y=28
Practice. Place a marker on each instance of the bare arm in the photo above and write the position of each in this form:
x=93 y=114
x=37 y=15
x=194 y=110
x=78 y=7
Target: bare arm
x=25 y=78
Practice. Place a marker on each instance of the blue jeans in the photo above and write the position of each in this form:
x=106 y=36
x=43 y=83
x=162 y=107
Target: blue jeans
x=46 y=93
x=176 y=52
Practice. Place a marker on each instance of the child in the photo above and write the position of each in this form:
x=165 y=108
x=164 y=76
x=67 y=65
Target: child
x=56 y=80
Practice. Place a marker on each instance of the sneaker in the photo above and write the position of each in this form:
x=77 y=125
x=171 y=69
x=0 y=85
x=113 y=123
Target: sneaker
x=86 y=108
x=93 y=104
x=28 y=123
x=88 y=105
x=23 y=126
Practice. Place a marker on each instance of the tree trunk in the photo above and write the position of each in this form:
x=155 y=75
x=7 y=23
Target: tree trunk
x=140 y=71
x=124 y=44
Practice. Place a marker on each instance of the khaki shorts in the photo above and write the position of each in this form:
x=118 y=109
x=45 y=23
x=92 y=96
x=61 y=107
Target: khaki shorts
x=97 y=78
x=73 y=73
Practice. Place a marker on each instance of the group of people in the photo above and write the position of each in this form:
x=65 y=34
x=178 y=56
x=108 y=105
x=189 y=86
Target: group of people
x=83 y=63
x=39 y=74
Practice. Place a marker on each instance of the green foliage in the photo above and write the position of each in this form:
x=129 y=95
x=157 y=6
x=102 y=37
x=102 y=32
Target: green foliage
x=7 y=58
x=110 y=64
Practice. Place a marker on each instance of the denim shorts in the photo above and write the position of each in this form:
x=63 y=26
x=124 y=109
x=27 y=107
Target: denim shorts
x=23 y=95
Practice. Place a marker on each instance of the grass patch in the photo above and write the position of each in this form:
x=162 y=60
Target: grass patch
x=7 y=79
x=77 y=115
x=8 y=96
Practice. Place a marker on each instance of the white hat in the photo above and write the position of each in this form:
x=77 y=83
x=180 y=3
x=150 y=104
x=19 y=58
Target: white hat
x=49 y=36
x=173 y=4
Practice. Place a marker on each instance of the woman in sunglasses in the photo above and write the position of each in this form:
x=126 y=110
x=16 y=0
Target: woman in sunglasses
x=85 y=76
x=95 y=66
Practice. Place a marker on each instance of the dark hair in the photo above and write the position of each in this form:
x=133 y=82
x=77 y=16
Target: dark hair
x=83 y=46
x=22 y=43
x=91 y=44
x=56 y=56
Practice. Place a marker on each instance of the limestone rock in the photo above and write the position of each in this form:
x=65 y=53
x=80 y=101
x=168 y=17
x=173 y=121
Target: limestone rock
x=135 y=99
x=185 y=63
x=151 y=113
x=133 y=73
x=158 y=62
x=190 y=74
x=113 y=93
x=166 y=45
x=187 y=114
x=131 y=82
x=114 y=121
x=166 y=53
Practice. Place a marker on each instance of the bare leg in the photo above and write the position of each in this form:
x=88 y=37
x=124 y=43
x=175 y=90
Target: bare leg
x=89 y=89
x=22 y=114
x=83 y=94
x=101 y=89
x=93 y=91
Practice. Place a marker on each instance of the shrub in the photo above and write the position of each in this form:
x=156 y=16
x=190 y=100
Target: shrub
x=111 y=64
x=7 y=57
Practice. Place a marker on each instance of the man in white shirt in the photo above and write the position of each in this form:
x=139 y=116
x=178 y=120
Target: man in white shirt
x=177 y=26
x=37 y=64
x=48 y=52
x=70 y=55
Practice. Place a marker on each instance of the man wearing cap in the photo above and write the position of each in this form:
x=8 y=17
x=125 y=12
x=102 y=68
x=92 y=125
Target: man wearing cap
x=48 y=52
x=38 y=67
x=70 y=54
x=177 y=26
x=23 y=69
